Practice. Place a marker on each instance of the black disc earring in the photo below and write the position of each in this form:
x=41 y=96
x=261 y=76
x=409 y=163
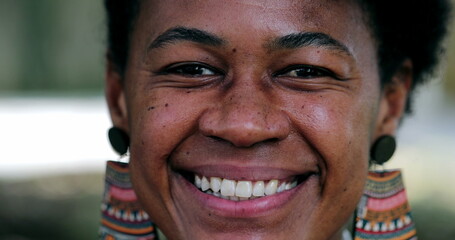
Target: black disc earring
x=119 y=140
x=383 y=149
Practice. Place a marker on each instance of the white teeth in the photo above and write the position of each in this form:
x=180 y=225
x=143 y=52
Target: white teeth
x=240 y=190
x=215 y=184
x=271 y=187
x=197 y=181
x=288 y=186
x=282 y=187
x=233 y=198
x=205 y=184
x=227 y=187
x=258 y=189
x=244 y=189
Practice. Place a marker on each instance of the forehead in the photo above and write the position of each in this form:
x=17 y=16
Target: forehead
x=278 y=16
x=341 y=19
x=252 y=22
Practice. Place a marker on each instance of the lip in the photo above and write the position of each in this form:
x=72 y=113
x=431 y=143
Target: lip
x=254 y=208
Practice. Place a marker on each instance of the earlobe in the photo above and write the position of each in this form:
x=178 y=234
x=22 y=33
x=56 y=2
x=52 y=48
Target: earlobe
x=393 y=100
x=115 y=97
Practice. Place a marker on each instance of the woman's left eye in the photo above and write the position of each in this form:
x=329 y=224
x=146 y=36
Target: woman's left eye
x=305 y=71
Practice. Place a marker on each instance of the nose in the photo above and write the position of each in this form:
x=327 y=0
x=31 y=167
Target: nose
x=245 y=116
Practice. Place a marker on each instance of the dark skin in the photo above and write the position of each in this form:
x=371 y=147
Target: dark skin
x=217 y=88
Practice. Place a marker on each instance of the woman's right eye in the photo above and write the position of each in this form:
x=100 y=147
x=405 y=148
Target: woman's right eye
x=192 y=70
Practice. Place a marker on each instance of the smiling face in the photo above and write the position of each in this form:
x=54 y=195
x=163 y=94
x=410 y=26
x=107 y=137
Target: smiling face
x=250 y=119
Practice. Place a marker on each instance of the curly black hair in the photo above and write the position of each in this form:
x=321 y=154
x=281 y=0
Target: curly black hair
x=404 y=29
x=408 y=29
x=121 y=16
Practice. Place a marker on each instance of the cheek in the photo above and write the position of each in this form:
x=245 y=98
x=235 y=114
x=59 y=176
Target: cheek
x=158 y=124
x=334 y=126
x=338 y=128
x=162 y=120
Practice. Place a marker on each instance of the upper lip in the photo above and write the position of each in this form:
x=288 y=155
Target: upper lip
x=265 y=161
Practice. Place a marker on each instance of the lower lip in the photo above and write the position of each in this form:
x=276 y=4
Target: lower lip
x=243 y=209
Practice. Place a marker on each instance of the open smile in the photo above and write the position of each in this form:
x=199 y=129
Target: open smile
x=245 y=190
x=229 y=193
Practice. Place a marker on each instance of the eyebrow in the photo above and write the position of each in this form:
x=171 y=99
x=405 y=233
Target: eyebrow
x=290 y=41
x=177 y=34
x=303 y=39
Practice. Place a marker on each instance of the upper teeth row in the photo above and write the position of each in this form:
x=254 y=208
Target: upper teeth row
x=240 y=190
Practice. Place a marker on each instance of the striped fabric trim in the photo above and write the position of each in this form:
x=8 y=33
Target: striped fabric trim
x=122 y=216
x=385 y=185
x=383 y=211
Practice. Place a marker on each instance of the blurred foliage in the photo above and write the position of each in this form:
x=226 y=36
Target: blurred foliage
x=49 y=45
x=449 y=78
x=434 y=221
x=62 y=207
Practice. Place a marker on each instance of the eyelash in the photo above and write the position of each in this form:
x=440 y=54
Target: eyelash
x=193 y=69
x=307 y=71
x=188 y=70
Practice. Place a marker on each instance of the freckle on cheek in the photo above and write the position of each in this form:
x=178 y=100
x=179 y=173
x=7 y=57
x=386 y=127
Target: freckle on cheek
x=150 y=108
x=166 y=105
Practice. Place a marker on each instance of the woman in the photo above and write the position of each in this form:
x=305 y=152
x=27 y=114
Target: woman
x=224 y=102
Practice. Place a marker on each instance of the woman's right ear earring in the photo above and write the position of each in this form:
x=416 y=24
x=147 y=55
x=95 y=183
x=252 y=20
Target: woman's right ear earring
x=122 y=216
x=119 y=140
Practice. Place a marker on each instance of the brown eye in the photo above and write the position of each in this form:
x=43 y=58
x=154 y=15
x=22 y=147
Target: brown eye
x=192 y=70
x=305 y=71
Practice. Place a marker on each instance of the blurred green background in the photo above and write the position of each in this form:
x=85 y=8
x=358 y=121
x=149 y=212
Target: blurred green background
x=51 y=74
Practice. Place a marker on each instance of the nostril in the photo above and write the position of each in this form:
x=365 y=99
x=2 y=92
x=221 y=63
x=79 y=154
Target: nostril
x=237 y=125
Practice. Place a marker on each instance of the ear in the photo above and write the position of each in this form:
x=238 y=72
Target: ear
x=393 y=100
x=115 y=96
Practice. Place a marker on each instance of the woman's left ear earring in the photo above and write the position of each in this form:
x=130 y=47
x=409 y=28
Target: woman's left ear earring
x=383 y=211
x=383 y=149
